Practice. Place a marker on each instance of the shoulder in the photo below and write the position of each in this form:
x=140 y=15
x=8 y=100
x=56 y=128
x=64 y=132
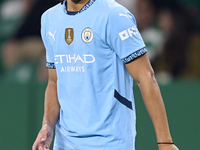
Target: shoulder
x=108 y=6
x=122 y=14
x=120 y=19
x=51 y=12
x=115 y=12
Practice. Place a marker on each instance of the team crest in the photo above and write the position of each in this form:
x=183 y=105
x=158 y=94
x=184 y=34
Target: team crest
x=87 y=35
x=69 y=35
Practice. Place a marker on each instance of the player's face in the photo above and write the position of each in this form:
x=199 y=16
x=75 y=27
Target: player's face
x=76 y=1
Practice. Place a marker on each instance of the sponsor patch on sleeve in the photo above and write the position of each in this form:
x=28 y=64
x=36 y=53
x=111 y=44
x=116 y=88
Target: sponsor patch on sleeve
x=134 y=55
x=50 y=65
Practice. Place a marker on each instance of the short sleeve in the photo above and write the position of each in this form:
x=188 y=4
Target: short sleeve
x=123 y=36
x=49 y=52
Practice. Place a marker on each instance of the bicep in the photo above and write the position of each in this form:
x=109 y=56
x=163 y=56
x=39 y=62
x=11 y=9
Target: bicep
x=52 y=106
x=52 y=75
x=51 y=98
x=140 y=69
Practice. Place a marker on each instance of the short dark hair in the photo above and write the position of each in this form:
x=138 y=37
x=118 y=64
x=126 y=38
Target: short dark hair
x=62 y=1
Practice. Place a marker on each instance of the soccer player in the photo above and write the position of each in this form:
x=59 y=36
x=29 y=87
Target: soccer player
x=94 y=51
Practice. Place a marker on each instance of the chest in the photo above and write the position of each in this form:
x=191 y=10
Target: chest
x=77 y=36
x=78 y=42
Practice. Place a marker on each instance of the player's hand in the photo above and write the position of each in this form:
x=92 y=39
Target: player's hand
x=167 y=147
x=44 y=138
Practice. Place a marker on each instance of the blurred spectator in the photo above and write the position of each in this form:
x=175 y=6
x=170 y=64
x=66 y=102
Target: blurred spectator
x=152 y=36
x=11 y=12
x=24 y=52
x=15 y=7
x=192 y=70
x=178 y=27
x=170 y=32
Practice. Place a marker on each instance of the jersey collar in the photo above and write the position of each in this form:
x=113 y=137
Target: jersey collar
x=85 y=7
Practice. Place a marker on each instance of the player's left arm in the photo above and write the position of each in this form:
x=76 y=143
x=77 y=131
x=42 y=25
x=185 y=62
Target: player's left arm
x=141 y=71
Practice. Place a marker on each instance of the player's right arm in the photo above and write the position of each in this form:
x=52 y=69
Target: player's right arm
x=51 y=114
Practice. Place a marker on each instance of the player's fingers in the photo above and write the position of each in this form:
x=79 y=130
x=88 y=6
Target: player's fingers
x=34 y=147
x=43 y=139
x=46 y=146
x=44 y=135
x=40 y=148
x=40 y=139
x=36 y=144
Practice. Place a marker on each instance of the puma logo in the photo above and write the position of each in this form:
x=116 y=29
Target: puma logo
x=52 y=35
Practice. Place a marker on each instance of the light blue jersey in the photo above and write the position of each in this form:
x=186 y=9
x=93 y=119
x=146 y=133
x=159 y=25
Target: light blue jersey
x=88 y=49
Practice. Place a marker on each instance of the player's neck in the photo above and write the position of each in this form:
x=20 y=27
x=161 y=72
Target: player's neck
x=71 y=6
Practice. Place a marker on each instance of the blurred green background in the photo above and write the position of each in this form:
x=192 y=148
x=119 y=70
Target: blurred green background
x=21 y=111
x=177 y=68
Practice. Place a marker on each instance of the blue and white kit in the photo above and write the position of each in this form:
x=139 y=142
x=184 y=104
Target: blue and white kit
x=89 y=50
